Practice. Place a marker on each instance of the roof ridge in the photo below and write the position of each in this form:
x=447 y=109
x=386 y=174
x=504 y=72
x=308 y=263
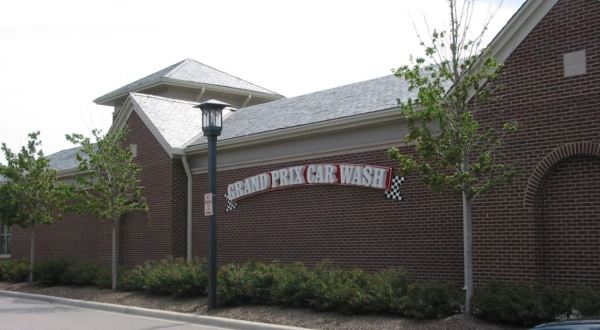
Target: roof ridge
x=177 y=67
x=162 y=98
x=62 y=150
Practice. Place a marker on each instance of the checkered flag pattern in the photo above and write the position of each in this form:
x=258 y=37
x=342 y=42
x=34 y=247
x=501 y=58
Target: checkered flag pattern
x=394 y=192
x=231 y=205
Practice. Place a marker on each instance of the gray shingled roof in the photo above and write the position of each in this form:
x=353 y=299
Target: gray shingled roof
x=188 y=70
x=358 y=98
x=65 y=159
x=177 y=121
x=62 y=160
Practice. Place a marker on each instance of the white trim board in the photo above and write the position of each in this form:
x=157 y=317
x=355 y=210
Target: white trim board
x=305 y=156
x=366 y=119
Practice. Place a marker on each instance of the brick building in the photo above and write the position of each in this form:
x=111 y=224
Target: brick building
x=544 y=225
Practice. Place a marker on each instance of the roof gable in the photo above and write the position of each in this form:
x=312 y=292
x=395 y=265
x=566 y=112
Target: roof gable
x=176 y=121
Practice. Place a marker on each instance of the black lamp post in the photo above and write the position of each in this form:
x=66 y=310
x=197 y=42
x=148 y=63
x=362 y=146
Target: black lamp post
x=212 y=123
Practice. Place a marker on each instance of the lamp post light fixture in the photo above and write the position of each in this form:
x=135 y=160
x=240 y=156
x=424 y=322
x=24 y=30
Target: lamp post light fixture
x=212 y=123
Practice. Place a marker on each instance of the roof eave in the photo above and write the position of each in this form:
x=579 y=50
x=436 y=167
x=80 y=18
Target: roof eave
x=69 y=172
x=220 y=88
x=108 y=99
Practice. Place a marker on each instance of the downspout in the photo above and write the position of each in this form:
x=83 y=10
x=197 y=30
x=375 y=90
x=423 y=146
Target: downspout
x=246 y=101
x=188 y=174
x=202 y=91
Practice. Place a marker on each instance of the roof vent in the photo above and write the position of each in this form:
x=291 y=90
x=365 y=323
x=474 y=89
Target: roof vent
x=574 y=63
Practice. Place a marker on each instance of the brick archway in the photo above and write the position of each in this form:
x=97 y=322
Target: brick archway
x=537 y=177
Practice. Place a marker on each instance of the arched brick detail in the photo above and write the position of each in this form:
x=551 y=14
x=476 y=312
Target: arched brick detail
x=558 y=154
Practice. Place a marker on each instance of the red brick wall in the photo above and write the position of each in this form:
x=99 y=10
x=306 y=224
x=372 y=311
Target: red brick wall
x=354 y=227
x=155 y=235
x=570 y=214
x=75 y=237
x=178 y=210
x=552 y=111
x=361 y=228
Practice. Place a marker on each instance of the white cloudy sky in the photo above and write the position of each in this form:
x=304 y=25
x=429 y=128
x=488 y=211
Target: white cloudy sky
x=56 y=56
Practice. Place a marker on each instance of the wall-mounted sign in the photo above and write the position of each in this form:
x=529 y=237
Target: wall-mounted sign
x=208 y=204
x=365 y=176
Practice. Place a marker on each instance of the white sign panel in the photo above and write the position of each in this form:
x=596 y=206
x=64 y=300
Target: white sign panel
x=366 y=176
x=208 y=204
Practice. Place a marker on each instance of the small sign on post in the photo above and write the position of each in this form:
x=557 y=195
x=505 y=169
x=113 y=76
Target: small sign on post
x=208 y=204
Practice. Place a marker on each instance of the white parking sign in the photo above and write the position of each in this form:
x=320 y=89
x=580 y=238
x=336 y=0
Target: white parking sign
x=208 y=204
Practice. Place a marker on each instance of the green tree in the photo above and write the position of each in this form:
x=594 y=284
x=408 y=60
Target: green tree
x=31 y=194
x=453 y=151
x=109 y=186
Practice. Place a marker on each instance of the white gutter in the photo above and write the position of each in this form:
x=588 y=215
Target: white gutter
x=188 y=173
x=107 y=98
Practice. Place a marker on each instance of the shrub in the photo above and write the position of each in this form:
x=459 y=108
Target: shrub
x=19 y=272
x=134 y=279
x=387 y=289
x=50 y=272
x=346 y=291
x=70 y=272
x=326 y=287
x=292 y=285
x=5 y=265
x=104 y=278
x=526 y=304
x=261 y=280
x=506 y=302
x=259 y=283
x=176 y=277
x=551 y=302
x=232 y=287
x=585 y=301
x=430 y=300
x=14 y=270
x=80 y=273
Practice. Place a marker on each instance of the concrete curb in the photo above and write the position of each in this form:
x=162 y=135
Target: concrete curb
x=212 y=321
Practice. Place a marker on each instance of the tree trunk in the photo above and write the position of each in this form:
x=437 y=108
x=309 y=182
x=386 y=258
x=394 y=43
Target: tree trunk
x=31 y=253
x=468 y=251
x=114 y=254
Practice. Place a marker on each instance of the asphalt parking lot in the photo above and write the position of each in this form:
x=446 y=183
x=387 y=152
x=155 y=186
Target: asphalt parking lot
x=27 y=314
